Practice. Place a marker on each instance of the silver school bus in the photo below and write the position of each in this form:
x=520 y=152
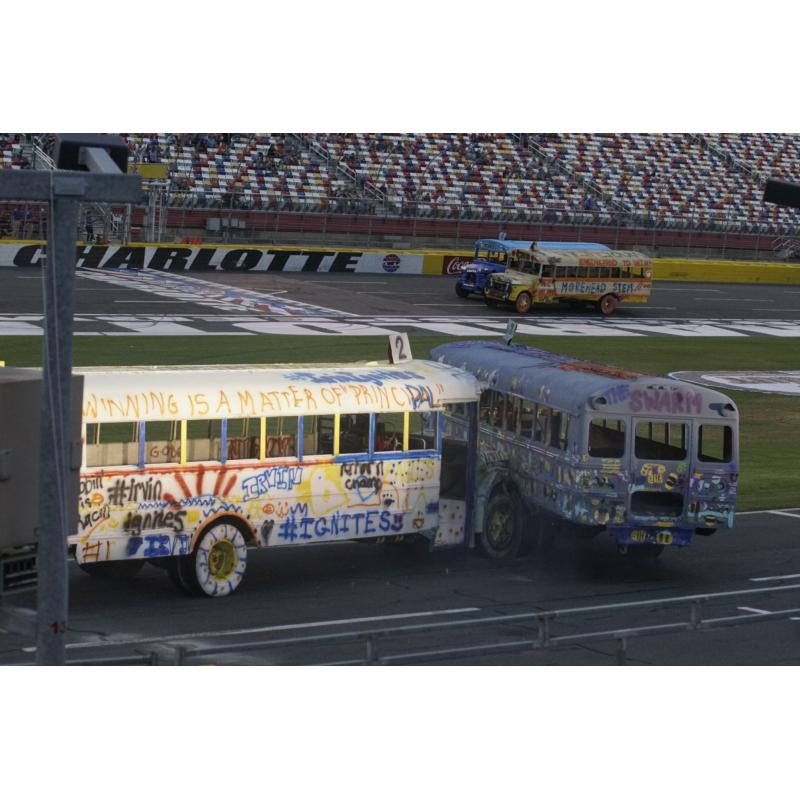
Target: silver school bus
x=571 y=445
x=603 y=279
x=189 y=467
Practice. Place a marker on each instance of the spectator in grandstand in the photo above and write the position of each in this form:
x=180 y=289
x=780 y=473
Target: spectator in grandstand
x=5 y=225
x=89 y=226
x=16 y=222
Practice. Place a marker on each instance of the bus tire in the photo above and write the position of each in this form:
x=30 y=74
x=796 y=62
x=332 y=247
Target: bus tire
x=523 y=303
x=113 y=570
x=461 y=291
x=217 y=564
x=502 y=535
x=607 y=305
x=491 y=303
x=705 y=531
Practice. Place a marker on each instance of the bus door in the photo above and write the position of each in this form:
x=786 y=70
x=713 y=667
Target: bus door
x=545 y=286
x=459 y=434
x=660 y=460
x=714 y=478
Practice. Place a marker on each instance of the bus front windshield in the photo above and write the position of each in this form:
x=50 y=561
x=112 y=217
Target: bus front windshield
x=493 y=256
x=522 y=264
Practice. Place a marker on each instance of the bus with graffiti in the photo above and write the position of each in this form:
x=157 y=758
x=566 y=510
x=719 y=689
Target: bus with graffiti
x=187 y=468
x=569 y=445
x=602 y=279
x=489 y=445
x=491 y=256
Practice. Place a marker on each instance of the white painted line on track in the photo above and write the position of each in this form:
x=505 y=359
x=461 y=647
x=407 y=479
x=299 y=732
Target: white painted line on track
x=398 y=294
x=694 y=291
x=266 y=629
x=774 y=578
x=752 y=610
x=764 y=511
x=785 y=514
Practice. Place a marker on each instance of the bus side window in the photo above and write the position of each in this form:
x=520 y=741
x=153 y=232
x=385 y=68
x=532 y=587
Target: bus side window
x=203 y=439
x=541 y=424
x=498 y=410
x=595 y=272
x=354 y=433
x=560 y=271
x=715 y=443
x=485 y=411
x=572 y=271
x=422 y=430
x=112 y=444
x=547 y=270
x=162 y=442
x=559 y=424
x=389 y=430
x=244 y=438
x=614 y=272
x=282 y=436
x=583 y=272
x=318 y=432
x=512 y=414
x=526 y=419
x=606 y=438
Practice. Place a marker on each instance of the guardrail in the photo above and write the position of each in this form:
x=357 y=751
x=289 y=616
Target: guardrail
x=544 y=638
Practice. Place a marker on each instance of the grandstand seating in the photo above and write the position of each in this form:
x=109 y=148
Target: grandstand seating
x=697 y=181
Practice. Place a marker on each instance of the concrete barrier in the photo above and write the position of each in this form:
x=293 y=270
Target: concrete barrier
x=243 y=258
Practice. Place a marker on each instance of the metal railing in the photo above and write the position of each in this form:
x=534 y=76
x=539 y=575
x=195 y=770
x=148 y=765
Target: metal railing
x=375 y=641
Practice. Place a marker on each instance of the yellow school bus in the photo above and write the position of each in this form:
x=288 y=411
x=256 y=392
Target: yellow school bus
x=603 y=278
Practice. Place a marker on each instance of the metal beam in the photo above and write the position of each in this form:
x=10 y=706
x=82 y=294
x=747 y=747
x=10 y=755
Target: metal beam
x=64 y=191
x=85 y=187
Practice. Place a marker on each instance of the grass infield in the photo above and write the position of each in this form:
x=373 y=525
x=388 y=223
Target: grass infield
x=770 y=424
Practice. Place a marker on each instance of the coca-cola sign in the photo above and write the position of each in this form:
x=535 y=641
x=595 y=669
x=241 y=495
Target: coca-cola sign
x=451 y=265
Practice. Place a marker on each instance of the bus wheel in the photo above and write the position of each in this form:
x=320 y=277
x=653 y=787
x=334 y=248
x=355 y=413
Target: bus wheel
x=113 y=570
x=491 y=303
x=216 y=566
x=523 y=303
x=502 y=535
x=607 y=304
x=461 y=291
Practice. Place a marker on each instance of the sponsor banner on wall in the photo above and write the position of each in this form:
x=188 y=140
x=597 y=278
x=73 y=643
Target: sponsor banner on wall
x=451 y=265
x=775 y=382
x=178 y=258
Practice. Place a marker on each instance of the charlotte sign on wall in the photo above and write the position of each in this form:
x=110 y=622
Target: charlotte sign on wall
x=233 y=259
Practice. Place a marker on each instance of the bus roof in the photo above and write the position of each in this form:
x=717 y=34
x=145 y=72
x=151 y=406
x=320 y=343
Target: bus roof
x=570 y=246
x=211 y=392
x=570 y=383
x=606 y=257
x=503 y=245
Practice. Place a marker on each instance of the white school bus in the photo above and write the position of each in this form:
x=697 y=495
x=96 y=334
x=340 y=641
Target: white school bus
x=190 y=467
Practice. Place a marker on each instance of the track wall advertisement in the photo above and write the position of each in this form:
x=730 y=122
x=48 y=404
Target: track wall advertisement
x=180 y=258
x=282 y=258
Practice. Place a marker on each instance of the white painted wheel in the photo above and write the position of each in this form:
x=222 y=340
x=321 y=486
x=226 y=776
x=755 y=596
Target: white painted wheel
x=217 y=565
